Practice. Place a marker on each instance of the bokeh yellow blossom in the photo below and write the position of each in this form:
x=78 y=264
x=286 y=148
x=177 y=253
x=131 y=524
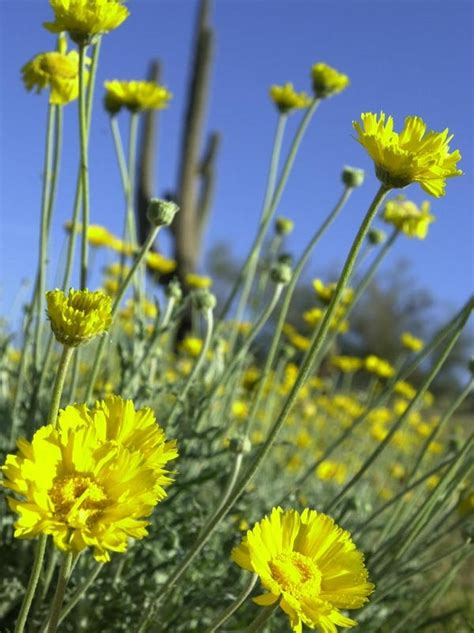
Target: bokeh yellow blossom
x=327 y=81
x=287 y=99
x=405 y=216
x=136 y=96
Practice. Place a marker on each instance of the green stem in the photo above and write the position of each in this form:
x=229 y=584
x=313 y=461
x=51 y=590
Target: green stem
x=43 y=240
x=80 y=591
x=119 y=151
x=232 y=608
x=120 y=294
x=261 y=619
x=84 y=145
x=64 y=574
x=196 y=369
x=301 y=379
x=32 y=583
x=59 y=383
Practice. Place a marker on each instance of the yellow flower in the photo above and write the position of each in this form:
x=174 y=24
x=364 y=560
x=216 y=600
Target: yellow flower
x=117 y=270
x=78 y=317
x=307 y=563
x=332 y=470
x=240 y=409
x=378 y=366
x=347 y=364
x=408 y=218
x=287 y=99
x=409 y=156
x=83 y=19
x=295 y=338
x=136 y=96
x=327 y=81
x=161 y=264
x=111 y=286
x=411 y=342
x=98 y=236
x=57 y=71
x=326 y=293
x=92 y=480
x=404 y=389
x=398 y=471
x=191 y=345
x=198 y=281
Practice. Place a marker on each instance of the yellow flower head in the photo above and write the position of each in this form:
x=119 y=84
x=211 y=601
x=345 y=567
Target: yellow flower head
x=92 y=480
x=327 y=81
x=307 y=563
x=326 y=293
x=79 y=316
x=136 y=96
x=411 y=342
x=58 y=71
x=83 y=19
x=198 y=281
x=378 y=366
x=347 y=364
x=408 y=218
x=98 y=236
x=328 y=470
x=287 y=99
x=409 y=156
x=160 y=263
x=191 y=345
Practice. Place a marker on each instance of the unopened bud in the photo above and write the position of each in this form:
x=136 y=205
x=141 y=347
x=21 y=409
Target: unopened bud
x=281 y=273
x=376 y=236
x=203 y=300
x=283 y=226
x=352 y=176
x=174 y=291
x=240 y=445
x=161 y=212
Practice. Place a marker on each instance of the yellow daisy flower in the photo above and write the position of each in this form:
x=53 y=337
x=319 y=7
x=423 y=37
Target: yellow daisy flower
x=287 y=99
x=326 y=293
x=136 y=96
x=79 y=316
x=378 y=366
x=83 y=19
x=411 y=342
x=413 y=155
x=347 y=364
x=160 y=263
x=328 y=470
x=408 y=218
x=327 y=81
x=58 y=71
x=92 y=480
x=307 y=563
x=191 y=345
x=198 y=281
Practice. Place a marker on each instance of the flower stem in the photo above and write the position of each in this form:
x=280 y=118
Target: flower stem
x=32 y=583
x=261 y=619
x=232 y=608
x=63 y=577
x=84 y=144
x=59 y=383
x=80 y=591
x=120 y=294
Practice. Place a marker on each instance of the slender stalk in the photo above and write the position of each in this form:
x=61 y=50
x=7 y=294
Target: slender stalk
x=119 y=151
x=236 y=604
x=59 y=383
x=43 y=240
x=63 y=577
x=32 y=583
x=84 y=145
x=80 y=591
x=301 y=379
x=196 y=369
x=261 y=619
x=267 y=214
x=120 y=294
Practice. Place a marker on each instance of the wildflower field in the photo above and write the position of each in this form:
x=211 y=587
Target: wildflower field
x=174 y=461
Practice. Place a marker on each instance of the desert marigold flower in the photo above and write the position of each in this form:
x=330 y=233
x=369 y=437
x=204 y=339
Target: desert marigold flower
x=404 y=389
x=79 y=316
x=191 y=345
x=136 y=96
x=92 y=480
x=287 y=99
x=328 y=470
x=411 y=342
x=404 y=215
x=58 y=71
x=295 y=338
x=413 y=155
x=378 y=366
x=198 y=281
x=327 y=81
x=84 y=19
x=347 y=364
x=307 y=563
x=326 y=293
x=160 y=263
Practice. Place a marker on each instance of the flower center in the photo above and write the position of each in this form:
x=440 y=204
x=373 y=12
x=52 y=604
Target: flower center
x=296 y=574
x=78 y=500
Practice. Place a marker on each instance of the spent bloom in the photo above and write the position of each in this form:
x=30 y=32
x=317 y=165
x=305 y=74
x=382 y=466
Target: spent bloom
x=413 y=155
x=287 y=99
x=327 y=81
x=307 y=563
x=411 y=220
x=56 y=70
x=79 y=316
x=84 y=19
x=136 y=96
x=92 y=480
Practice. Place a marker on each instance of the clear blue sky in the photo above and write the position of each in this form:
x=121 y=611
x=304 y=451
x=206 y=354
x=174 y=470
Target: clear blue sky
x=405 y=57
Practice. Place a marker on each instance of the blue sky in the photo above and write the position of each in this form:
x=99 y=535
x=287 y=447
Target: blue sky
x=403 y=57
